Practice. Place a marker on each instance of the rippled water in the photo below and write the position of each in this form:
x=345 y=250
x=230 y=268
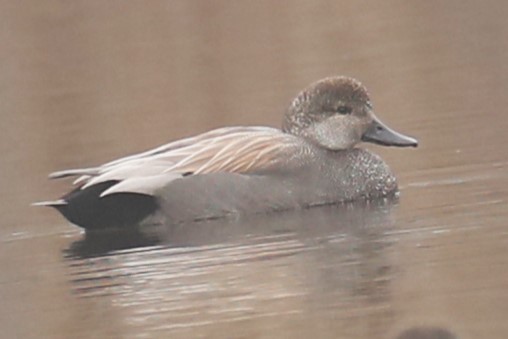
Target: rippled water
x=84 y=82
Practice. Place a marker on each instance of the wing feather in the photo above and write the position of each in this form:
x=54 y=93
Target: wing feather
x=232 y=149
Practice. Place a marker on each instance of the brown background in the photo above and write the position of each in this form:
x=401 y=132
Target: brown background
x=83 y=82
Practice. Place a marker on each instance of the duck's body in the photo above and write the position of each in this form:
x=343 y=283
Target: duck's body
x=306 y=185
x=238 y=170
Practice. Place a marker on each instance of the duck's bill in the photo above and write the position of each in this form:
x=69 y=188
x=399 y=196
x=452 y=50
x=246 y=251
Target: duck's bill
x=379 y=133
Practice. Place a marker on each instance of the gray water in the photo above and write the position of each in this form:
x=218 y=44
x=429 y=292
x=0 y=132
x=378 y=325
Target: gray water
x=84 y=82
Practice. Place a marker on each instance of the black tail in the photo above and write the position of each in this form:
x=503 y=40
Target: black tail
x=85 y=207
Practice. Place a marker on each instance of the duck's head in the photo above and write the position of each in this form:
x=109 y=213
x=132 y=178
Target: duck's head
x=336 y=113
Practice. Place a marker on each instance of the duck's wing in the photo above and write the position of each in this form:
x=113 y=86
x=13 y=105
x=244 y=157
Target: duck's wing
x=230 y=149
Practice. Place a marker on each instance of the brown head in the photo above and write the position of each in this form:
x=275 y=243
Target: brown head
x=336 y=113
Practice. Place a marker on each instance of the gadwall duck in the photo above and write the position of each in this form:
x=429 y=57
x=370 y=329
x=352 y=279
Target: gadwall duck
x=311 y=161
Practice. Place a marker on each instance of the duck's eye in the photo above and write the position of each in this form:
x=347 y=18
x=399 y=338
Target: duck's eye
x=344 y=110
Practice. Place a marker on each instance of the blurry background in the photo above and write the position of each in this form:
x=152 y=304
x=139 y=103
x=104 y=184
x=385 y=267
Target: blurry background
x=84 y=82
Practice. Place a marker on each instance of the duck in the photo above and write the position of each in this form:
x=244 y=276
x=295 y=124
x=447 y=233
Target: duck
x=312 y=160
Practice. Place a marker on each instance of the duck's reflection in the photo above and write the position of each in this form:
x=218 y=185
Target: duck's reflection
x=96 y=244
x=321 y=265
